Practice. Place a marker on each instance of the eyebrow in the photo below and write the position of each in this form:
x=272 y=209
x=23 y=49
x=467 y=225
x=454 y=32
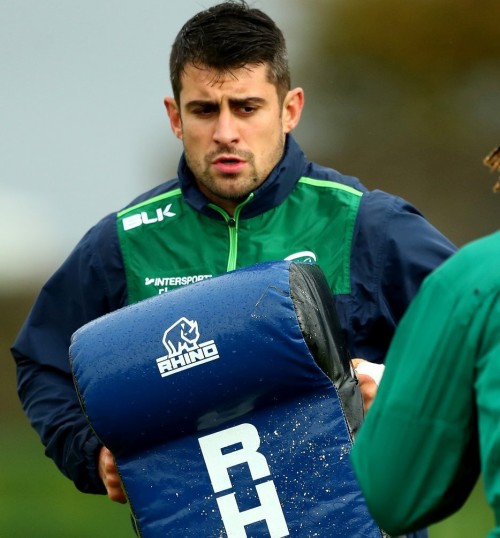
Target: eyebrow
x=234 y=102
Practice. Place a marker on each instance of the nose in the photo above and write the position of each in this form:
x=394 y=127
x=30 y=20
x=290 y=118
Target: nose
x=226 y=128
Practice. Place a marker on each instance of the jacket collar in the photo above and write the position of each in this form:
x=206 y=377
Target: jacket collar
x=271 y=193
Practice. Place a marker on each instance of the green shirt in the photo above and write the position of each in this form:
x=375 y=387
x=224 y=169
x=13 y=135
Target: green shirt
x=438 y=404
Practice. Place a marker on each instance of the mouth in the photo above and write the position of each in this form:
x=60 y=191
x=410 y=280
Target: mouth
x=229 y=164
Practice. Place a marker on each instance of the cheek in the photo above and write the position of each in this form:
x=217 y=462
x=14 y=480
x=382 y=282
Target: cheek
x=271 y=138
x=195 y=133
x=195 y=144
x=266 y=135
x=269 y=151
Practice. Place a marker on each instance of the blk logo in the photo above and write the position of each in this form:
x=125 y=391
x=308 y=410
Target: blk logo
x=233 y=447
x=143 y=218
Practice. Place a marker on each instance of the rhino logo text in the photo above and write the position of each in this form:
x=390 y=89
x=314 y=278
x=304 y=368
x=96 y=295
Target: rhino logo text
x=183 y=349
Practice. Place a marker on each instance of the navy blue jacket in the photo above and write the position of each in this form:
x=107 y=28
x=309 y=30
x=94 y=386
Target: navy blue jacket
x=394 y=249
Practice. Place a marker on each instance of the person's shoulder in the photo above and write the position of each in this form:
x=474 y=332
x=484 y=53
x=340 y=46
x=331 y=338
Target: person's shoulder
x=319 y=172
x=477 y=262
x=373 y=200
x=482 y=252
x=488 y=246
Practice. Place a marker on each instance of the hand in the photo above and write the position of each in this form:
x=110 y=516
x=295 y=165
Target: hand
x=110 y=477
x=369 y=375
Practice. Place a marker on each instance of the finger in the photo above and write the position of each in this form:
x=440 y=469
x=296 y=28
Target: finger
x=117 y=495
x=356 y=362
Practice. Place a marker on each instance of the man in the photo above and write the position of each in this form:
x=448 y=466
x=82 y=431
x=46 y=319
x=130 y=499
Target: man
x=245 y=193
x=434 y=424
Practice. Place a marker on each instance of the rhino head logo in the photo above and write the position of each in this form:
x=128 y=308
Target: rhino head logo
x=181 y=336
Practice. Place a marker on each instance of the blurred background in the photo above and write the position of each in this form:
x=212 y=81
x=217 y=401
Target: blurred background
x=404 y=95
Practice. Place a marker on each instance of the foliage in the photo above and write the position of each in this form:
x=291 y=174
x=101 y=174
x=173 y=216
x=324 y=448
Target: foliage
x=430 y=41
x=405 y=95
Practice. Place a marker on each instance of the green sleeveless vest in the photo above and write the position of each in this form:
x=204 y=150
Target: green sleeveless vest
x=166 y=244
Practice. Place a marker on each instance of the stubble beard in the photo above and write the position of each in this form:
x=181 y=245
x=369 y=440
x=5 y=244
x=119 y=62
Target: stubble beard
x=234 y=187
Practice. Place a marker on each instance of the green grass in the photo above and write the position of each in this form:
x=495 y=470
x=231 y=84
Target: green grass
x=36 y=501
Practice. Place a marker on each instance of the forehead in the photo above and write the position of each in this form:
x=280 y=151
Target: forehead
x=205 y=83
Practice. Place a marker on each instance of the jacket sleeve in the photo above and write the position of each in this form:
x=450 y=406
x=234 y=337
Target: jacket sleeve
x=413 y=249
x=396 y=248
x=79 y=291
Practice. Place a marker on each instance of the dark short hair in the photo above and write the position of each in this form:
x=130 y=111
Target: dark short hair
x=229 y=36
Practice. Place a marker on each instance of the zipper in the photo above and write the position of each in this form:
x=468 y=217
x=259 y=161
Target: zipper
x=232 y=224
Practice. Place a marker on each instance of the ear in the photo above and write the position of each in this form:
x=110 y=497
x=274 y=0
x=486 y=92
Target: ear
x=174 y=116
x=292 y=109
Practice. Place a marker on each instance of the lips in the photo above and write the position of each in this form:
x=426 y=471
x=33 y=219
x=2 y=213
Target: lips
x=229 y=164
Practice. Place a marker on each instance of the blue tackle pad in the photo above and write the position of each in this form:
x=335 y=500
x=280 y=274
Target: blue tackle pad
x=229 y=407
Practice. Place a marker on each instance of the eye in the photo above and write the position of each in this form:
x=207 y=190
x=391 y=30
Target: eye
x=247 y=110
x=204 y=110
